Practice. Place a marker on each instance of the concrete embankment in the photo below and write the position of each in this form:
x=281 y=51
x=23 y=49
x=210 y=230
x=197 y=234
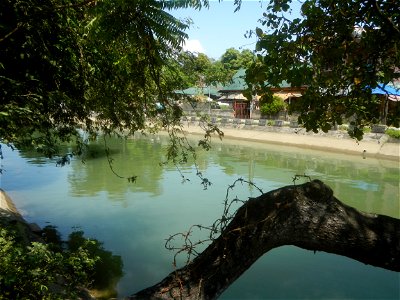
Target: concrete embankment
x=10 y=215
x=7 y=207
x=373 y=145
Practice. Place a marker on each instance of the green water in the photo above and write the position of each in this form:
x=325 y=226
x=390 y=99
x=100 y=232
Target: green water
x=133 y=220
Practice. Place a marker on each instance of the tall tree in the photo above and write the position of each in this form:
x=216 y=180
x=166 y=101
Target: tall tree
x=340 y=50
x=233 y=59
x=193 y=67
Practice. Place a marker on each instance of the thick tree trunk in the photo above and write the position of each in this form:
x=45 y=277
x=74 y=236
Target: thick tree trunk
x=307 y=216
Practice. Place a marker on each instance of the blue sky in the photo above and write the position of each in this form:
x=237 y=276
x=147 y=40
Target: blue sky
x=219 y=27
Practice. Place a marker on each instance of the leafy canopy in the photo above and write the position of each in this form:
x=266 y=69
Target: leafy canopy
x=339 y=50
x=96 y=65
x=234 y=60
x=200 y=70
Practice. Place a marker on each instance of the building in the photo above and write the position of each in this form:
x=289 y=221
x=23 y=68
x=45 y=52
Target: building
x=233 y=95
x=243 y=107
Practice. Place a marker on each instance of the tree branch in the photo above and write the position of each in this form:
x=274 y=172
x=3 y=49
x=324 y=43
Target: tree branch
x=384 y=18
x=10 y=33
x=60 y=7
x=82 y=4
x=307 y=216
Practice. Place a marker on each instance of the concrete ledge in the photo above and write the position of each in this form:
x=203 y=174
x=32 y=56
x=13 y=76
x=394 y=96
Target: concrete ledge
x=333 y=141
x=9 y=216
x=7 y=207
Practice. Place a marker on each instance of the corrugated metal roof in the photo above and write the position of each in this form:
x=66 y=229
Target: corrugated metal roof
x=232 y=96
x=208 y=90
x=238 y=82
x=284 y=84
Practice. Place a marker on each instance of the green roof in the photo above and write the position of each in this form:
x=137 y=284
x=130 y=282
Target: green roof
x=284 y=84
x=238 y=82
x=192 y=91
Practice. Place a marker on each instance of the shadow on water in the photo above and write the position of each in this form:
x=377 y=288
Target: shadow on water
x=107 y=269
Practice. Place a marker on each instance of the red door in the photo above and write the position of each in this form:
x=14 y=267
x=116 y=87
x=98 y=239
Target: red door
x=242 y=110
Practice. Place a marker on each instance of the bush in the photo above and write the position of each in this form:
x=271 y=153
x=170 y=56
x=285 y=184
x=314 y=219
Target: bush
x=367 y=129
x=36 y=270
x=393 y=133
x=273 y=107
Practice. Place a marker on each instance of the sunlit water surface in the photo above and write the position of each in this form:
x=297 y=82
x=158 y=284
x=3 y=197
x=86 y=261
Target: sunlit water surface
x=134 y=219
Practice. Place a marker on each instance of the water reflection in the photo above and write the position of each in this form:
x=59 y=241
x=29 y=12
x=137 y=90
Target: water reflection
x=133 y=220
x=368 y=185
x=138 y=156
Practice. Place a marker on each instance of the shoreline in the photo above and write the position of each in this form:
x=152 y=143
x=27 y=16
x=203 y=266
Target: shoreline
x=372 y=146
x=7 y=207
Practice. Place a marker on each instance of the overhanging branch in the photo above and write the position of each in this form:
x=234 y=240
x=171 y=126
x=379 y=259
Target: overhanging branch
x=307 y=216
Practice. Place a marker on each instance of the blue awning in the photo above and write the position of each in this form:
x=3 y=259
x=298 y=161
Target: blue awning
x=392 y=92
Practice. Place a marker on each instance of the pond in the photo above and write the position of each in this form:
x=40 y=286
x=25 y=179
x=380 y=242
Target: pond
x=134 y=219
